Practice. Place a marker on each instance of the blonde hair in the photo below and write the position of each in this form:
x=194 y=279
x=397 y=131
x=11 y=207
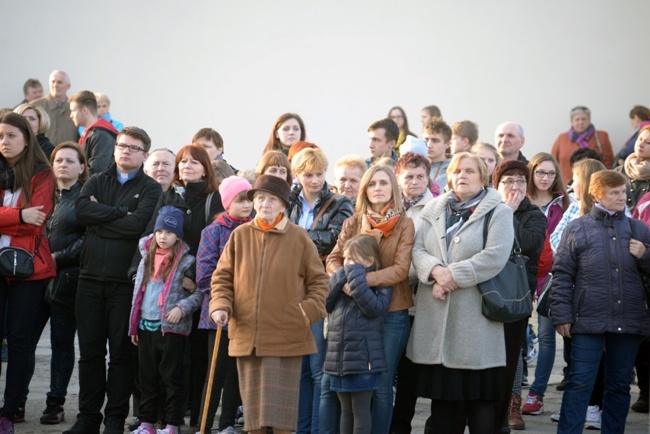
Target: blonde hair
x=352 y=161
x=583 y=169
x=455 y=161
x=309 y=160
x=363 y=203
x=43 y=117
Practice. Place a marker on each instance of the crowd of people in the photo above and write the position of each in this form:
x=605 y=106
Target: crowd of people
x=303 y=306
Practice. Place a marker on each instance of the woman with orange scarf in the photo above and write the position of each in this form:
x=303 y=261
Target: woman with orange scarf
x=380 y=213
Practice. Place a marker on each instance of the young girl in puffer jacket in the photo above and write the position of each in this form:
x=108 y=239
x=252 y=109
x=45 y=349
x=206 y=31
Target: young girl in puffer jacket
x=355 y=346
x=161 y=318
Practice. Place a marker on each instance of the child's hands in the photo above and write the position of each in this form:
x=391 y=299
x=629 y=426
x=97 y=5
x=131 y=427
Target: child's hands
x=134 y=340
x=188 y=285
x=346 y=289
x=174 y=315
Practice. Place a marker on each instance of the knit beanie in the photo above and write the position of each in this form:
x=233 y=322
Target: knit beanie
x=230 y=188
x=170 y=218
x=509 y=167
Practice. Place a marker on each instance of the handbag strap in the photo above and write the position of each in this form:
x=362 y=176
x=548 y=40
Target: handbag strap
x=486 y=222
x=321 y=212
x=208 y=203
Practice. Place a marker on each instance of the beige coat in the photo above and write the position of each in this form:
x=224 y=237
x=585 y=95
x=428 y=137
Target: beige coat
x=453 y=332
x=273 y=286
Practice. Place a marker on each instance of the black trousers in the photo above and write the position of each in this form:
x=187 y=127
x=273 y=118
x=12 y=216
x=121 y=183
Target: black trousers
x=161 y=362
x=102 y=310
x=198 y=350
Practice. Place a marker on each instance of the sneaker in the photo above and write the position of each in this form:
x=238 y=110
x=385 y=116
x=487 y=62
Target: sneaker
x=534 y=404
x=592 y=421
x=239 y=417
x=19 y=416
x=134 y=424
x=532 y=355
x=144 y=430
x=524 y=381
x=83 y=426
x=641 y=405
x=555 y=417
x=228 y=430
x=167 y=431
x=53 y=414
x=561 y=386
x=6 y=425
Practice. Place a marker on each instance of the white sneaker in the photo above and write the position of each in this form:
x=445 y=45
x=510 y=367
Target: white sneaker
x=555 y=417
x=532 y=355
x=593 y=420
x=228 y=430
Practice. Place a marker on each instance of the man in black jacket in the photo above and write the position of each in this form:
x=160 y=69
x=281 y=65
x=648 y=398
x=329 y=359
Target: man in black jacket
x=98 y=138
x=116 y=206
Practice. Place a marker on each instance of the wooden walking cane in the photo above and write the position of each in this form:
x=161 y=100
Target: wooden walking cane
x=208 y=392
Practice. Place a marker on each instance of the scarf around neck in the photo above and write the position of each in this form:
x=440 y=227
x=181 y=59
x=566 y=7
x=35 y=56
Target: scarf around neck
x=582 y=139
x=459 y=211
x=267 y=227
x=636 y=168
x=380 y=224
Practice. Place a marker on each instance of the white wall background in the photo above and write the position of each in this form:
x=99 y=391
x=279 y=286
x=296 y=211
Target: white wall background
x=173 y=67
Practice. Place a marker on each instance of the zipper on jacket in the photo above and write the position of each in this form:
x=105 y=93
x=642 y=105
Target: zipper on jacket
x=368 y=354
x=259 y=290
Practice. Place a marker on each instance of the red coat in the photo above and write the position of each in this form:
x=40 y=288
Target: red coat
x=26 y=235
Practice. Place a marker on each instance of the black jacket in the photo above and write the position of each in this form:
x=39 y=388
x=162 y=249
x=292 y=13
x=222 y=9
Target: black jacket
x=329 y=226
x=530 y=230
x=114 y=223
x=99 y=148
x=192 y=204
x=65 y=233
x=597 y=285
x=355 y=338
x=45 y=145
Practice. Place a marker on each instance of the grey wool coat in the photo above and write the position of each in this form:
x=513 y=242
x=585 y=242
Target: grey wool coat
x=453 y=332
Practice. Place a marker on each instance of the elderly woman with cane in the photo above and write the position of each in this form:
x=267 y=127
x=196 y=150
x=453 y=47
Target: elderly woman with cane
x=269 y=286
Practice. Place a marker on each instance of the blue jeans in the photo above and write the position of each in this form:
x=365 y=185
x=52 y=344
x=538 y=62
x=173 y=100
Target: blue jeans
x=586 y=351
x=546 y=358
x=310 y=384
x=396 y=334
x=330 y=408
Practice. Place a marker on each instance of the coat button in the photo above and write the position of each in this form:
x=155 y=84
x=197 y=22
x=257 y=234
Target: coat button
x=189 y=211
x=456 y=239
x=614 y=238
x=619 y=302
x=619 y=329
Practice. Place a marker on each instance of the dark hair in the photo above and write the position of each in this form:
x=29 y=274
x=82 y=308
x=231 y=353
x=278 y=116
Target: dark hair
x=28 y=161
x=201 y=155
x=437 y=126
x=83 y=177
x=406 y=121
x=273 y=143
x=642 y=112
x=274 y=158
x=433 y=111
x=364 y=246
x=32 y=82
x=582 y=154
x=136 y=133
x=467 y=129
x=211 y=135
x=86 y=99
x=411 y=159
x=389 y=125
x=557 y=187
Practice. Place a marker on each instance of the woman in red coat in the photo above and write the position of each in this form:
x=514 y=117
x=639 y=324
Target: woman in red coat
x=27 y=192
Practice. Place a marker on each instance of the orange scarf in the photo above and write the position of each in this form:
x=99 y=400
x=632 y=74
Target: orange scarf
x=267 y=227
x=382 y=223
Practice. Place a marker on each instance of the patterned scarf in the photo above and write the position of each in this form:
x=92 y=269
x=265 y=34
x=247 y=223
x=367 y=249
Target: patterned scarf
x=636 y=168
x=582 y=139
x=459 y=211
x=380 y=224
x=408 y=203
x=7 y=177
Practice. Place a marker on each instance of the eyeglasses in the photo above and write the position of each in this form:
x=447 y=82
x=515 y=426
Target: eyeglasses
x=132 y=148
x=542 y=174
x=511 y=182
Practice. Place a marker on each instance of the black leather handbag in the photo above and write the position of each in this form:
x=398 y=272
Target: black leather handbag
x=506 y=297
x=16 y=262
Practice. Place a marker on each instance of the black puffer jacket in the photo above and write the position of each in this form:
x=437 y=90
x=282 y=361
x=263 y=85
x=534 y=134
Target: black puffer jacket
x=329 y=226
x=596 y=282
x=65 y=232
x=355 y=342
x=530 y=229
x=191 y=201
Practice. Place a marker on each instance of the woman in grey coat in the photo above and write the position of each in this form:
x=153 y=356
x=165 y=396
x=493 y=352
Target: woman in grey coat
x=460 y=352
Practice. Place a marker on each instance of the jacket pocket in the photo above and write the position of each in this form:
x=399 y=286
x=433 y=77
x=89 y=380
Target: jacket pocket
x=295 y=322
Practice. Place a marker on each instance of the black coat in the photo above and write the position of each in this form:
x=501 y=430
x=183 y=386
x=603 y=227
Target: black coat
x=65 y=232
x=596 y=281
x=329 y=226
x=45 y=145
x=355 y=338
x=530 y=230
x=99 y=149
x=114 y=223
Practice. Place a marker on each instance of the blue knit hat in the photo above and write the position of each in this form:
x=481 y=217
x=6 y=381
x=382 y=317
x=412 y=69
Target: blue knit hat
x=170 y=218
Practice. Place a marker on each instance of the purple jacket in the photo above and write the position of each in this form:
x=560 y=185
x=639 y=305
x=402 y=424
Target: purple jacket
x=213 y=239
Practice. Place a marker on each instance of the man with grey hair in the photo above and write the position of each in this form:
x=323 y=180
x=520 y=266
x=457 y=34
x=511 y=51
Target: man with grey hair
x=159 y=165
x=57 y=106
x=509 y=138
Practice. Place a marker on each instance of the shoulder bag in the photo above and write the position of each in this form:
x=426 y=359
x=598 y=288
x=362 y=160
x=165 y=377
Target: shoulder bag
x=16 y=262
x=506 y=297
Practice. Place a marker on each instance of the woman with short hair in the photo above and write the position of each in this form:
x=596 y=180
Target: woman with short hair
x=39 y=120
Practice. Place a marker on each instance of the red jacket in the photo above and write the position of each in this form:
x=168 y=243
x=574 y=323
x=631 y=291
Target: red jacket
x=26 y=235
